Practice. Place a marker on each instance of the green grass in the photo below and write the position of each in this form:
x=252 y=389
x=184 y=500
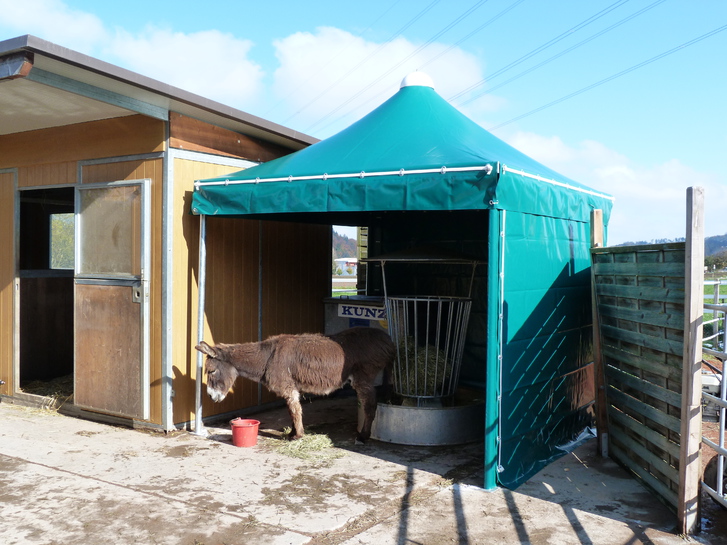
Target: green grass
x=709 y=288
x=347 y=293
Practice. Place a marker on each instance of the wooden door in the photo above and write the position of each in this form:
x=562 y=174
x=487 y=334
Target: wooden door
x=112 y=298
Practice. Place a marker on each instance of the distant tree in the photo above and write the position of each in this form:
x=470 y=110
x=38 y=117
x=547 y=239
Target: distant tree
x=62 y=236
x=716 y=261
x=343 y=246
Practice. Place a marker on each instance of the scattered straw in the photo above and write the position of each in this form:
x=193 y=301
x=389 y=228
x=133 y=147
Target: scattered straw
x=57 y=391
x=311 y=446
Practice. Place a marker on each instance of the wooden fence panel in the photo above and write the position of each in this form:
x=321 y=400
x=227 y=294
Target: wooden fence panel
x=639 y=294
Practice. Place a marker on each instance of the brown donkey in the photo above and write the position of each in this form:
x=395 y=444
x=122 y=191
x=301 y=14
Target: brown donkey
x=289 y=365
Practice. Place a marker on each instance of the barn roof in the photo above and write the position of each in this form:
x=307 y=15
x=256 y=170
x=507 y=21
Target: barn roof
x=45 y=85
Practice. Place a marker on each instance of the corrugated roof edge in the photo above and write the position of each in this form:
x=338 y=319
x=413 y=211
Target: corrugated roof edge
x=37 y=45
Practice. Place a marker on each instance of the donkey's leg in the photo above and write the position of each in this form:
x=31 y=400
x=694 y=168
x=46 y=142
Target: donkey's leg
x=367 y=398
x=296 y=414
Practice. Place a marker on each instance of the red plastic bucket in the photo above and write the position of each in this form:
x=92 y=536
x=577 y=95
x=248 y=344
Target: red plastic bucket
x=244 y=432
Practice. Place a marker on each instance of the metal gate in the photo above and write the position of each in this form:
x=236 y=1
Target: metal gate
x=715 y=344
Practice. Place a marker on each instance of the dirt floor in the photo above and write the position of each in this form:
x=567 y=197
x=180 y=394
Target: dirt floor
x=66 y=480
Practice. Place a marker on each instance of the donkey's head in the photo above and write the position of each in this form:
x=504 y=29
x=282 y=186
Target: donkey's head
x=221 y=374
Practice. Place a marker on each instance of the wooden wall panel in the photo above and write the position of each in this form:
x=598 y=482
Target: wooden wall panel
x=7 y=279
x=107 y=374
x=232 y=281
x=639 y=293
x=63 y=173
x=131 y=135
x=232 y=296
x=296 y=278
x=194 y=135
x=135 y=170
x=296 y=271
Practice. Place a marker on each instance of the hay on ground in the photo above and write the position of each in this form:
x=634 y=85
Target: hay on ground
x=59 y=389
x=311 y=446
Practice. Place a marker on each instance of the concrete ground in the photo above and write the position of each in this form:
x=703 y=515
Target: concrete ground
x=65 y=480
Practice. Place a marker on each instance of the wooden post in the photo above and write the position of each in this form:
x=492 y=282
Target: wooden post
x=598 y=369
x=690 y=462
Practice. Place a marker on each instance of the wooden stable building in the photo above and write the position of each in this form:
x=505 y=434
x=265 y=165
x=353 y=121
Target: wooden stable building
x=115 y=154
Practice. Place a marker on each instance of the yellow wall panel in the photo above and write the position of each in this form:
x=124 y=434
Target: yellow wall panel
x=131 y=135
x=63 y=173
x=231 y=306
x=7 y=279
x=296 y=278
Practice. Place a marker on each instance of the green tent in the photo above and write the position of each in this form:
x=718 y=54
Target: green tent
x=416 y=152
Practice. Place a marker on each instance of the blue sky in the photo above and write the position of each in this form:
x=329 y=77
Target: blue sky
x=318 y=66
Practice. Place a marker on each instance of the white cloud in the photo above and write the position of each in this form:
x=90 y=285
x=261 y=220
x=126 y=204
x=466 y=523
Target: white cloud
x=319 y=72
x=54 y=21
x=650 y=200
x=210 y=63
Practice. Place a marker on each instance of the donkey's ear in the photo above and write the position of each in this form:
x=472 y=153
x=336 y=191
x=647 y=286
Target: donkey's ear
x=206 y=349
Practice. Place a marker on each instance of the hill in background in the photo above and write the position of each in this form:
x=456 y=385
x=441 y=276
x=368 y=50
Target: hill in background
x=715 y=244
x=344 y=246
x=712 y=245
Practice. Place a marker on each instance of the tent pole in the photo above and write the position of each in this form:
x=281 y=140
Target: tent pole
x=495 y=317
x=199 y=428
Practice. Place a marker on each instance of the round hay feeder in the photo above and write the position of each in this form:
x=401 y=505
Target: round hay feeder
x=429 y=334
x=428 y=330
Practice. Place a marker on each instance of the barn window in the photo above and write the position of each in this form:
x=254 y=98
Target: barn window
x=61 y=241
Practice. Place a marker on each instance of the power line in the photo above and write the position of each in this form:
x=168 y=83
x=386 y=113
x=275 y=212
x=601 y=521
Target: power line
x=475 y=31
x=564 y=52
x=454 y=23
x=460 y=41
x=542 y=47
x=612 y=77
x=387 y=42
x=321 y=67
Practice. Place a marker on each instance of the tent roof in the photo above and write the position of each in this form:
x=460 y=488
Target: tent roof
x=414 y=152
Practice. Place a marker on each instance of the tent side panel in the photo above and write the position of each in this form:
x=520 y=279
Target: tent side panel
x=521 y=192
x=232 y=280
x=136 y=170
x=131 y=135
x=7 y=279
x=547 y=370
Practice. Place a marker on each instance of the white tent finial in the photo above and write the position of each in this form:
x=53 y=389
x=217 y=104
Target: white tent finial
x=417 y=79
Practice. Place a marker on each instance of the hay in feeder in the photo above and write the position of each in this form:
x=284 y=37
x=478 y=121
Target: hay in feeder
x=421 y=370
